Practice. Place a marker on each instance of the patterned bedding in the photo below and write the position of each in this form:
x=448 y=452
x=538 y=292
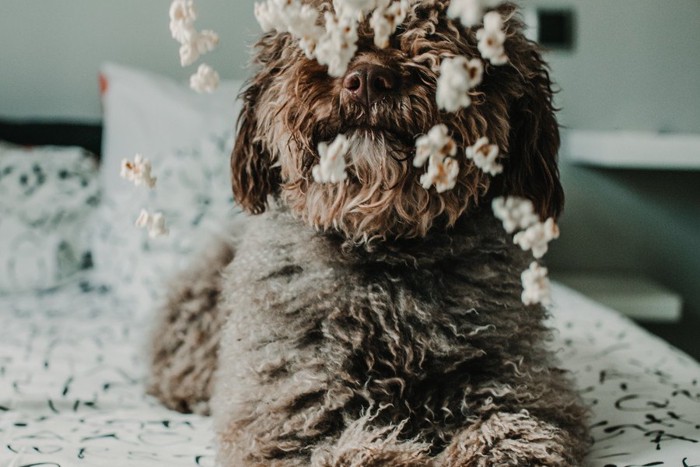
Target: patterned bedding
x=71 y=393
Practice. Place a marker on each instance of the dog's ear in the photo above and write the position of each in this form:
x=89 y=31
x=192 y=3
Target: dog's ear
x=253 y=176
x=531 y=170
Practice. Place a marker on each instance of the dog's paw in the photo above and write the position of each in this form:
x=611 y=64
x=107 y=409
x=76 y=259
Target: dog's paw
x=508 y=439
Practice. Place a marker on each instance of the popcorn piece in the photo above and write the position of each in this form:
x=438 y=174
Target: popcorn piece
x=138 y=171
x=354 y=8
x=205 y=80
x=386 y=19
x=182 y=16
x=484 y=156
x=536 y=285
x=293 y=17
x=338 y=45
x=155 y=223
x=537 y=237
x=457 y=76
x=470 y=12
x=442 y=173
x=515 y=213
x=436 y=143
x=437 y=147
x=491 y=39
x=331 y=169
x=198 y=44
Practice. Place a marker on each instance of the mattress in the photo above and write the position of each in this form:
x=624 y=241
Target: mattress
x=72 y=367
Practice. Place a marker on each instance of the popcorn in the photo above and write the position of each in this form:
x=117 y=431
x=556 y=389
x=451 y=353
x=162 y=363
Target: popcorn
x=469 y=12
x=537 y=237
x=437 y=143
x=182 y=16
x=484 y=156
x=536 y=285
x=457 y=76
x=354 y=8
x=155 y=223
x=198 y=44
x=438 y=147
x=515 y=213
x=491 y=39
x=338 y=45
x=386 y=19
x=205 y=80
x=294 y=17
x=442 y=173
x=138 y=171
x=331 y=169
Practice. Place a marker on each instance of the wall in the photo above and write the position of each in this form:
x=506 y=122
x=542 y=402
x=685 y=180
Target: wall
x=635 y=67
x=52 y=49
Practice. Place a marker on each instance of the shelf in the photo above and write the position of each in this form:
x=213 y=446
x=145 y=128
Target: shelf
x=637 y=297
x=632 y=150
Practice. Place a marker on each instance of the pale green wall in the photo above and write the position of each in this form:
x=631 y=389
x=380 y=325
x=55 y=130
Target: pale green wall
x=51 y=50
x=636 y=66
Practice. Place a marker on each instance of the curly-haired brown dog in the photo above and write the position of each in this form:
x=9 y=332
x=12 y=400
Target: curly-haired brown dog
x=376 y=323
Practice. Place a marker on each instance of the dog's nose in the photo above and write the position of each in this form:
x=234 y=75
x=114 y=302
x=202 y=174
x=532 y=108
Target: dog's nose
x=369 y=83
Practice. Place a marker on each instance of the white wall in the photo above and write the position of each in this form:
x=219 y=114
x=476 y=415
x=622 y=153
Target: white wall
x=51 y=50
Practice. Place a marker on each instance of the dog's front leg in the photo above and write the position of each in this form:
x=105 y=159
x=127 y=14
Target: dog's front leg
x=372 y=446
x=508 y=439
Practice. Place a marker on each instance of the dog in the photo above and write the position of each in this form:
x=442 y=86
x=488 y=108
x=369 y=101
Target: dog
x=376 y=322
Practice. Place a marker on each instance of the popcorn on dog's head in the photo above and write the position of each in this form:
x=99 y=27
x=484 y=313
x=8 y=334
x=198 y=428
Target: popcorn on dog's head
x=383 y=102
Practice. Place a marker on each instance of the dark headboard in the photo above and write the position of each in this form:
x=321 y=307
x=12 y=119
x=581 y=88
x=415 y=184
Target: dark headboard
x=39 y=133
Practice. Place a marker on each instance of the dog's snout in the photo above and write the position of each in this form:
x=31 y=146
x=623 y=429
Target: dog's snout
x=369 y=83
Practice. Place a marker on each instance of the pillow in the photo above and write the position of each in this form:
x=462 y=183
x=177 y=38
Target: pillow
x=46 y=196
x=147 y=114
x=188 y=138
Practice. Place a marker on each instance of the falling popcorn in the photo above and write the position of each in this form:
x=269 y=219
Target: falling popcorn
x=182 y=16
x=536 y=286
x=155 y=223
x=491 y=39
x=437 y=147
x=331 y=169
x=515 y=213
x=338 y=45
x=386 y=19
x=537 y=237
x=484 y=156
x=436 y=143
x=138 y=171
x=470 y=12
x=441 y=173
x=205 y=80
x=457 y=76
x=198 y=44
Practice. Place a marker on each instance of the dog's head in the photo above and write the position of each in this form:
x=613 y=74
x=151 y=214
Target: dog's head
x=384 y=102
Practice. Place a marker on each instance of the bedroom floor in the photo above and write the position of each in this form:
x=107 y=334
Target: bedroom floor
x=685 y=335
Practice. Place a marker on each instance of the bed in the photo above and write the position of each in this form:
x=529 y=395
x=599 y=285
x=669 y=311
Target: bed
x=72 y=345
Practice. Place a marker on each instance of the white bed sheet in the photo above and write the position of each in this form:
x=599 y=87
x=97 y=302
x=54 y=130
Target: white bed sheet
x=71 y=393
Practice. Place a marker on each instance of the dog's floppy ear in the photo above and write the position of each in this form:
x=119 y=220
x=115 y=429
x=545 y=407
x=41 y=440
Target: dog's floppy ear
x=252 y=178
x=531 y=170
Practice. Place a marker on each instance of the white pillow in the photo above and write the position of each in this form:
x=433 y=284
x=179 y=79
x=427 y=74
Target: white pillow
x=46 y=195
x=188 y=138
x=146 y=113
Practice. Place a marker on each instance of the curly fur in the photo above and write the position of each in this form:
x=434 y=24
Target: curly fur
x=376 y=323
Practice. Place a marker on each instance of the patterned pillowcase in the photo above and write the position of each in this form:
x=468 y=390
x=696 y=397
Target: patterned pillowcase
x=193 y=191
x=46 y=195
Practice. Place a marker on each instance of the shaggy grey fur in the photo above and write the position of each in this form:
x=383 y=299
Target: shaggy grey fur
x=417 y=353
